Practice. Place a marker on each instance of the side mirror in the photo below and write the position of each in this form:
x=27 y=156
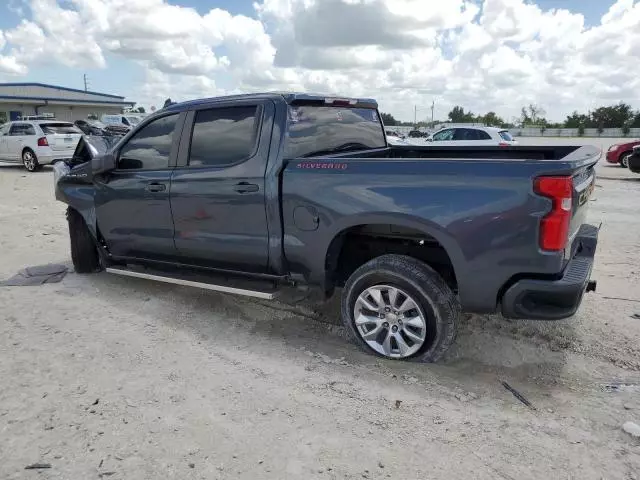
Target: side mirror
x=103 y=164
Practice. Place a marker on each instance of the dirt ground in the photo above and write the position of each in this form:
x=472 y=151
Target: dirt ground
x=110 y=377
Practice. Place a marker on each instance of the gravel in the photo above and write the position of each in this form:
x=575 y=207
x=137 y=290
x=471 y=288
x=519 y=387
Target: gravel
x=183 y=375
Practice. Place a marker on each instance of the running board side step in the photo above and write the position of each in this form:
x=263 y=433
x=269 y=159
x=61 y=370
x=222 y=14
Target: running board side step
x=196 y=281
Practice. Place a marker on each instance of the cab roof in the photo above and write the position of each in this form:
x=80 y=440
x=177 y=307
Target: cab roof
x=291 y=98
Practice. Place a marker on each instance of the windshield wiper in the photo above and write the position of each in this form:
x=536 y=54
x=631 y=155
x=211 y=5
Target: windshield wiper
x=345 y=147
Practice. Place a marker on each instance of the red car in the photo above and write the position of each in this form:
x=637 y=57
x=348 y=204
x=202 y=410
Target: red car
x=620 y=153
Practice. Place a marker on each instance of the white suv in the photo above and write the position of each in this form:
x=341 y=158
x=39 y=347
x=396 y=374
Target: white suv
x=472 y=136
x=38 y=142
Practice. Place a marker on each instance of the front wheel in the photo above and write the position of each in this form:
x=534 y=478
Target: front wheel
x=398 y=307
x=624 y=160
x=29 y=160
x=84 y=253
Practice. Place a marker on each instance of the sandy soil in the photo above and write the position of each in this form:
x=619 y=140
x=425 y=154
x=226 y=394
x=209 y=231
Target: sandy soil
x=120 y=378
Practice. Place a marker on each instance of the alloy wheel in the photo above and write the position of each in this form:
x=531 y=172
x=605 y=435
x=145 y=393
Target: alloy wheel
x=390 y=321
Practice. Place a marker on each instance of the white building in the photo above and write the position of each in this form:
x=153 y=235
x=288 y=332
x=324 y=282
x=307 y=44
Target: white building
x=22 y=99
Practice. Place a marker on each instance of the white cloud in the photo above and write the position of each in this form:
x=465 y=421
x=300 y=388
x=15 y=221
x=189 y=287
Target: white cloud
x=482 y=54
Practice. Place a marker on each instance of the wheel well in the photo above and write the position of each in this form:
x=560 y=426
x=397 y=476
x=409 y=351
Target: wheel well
x=623 y=154
x=357 y=245
x=27 y=148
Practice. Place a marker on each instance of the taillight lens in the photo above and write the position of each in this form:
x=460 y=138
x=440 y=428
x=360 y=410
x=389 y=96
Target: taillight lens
x=554 y=227
x=42 y=142
x=503 y=144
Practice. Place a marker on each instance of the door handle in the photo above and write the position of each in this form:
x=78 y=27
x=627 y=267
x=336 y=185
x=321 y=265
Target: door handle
x=246 y=187
x=156 y=187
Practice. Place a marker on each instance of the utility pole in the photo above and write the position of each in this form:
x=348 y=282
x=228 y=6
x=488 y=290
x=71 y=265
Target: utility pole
x=433 y=105
x=85 y=81
x=415 y=115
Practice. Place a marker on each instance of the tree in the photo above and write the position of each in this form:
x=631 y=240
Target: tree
x=492 y=120
x=389 y=120
x=533 y=115
x=167 y=103
x=458 y=115
x=575 y=120
x=613 y=116
x=140 y=109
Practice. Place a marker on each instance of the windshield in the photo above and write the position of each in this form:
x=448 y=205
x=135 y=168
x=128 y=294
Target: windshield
x=112 y=119
x=96 y=123
x=59 y=128
x=319 y=128
x=506 y=136
x=133 y=120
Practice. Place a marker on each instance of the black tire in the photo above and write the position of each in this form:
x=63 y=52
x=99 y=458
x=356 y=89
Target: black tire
x=439 y=304
x=624 y=159
x=84 y=253
x=30 y=160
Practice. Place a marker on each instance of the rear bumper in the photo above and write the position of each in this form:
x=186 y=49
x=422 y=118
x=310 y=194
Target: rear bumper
x=538 y=299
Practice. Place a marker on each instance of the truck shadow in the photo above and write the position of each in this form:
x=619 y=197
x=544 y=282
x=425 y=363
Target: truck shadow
x=487 y=349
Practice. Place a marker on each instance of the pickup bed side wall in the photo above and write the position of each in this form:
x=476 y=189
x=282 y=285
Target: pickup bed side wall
x=484 y=213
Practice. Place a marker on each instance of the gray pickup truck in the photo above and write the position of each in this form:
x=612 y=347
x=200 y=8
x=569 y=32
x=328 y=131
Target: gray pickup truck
x=253 y=194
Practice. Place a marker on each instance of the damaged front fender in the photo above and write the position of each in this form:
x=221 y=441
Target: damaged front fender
x=73 y=180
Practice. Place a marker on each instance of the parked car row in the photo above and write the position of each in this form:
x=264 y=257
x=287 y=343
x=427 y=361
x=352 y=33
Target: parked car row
x=36 y=141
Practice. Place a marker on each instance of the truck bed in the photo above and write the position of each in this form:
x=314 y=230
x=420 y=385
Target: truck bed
x=477 y=203
x=562 y=152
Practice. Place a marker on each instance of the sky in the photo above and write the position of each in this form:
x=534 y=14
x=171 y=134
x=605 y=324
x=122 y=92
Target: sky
x=485 y=55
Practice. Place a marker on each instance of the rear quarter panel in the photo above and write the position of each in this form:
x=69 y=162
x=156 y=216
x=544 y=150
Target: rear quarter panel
x=483 y=212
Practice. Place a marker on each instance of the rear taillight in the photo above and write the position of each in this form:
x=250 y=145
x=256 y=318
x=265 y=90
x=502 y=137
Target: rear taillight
x=554 y=226
x=503 y=144
x=42 y=142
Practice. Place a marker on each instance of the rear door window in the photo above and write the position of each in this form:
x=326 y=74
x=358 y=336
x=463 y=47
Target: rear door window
x=59 y=128
x=223 y=136
x=444 y=135
x=150 y=147
x=21 y=129
x=482 y=135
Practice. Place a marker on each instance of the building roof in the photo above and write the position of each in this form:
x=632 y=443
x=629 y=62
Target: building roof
x=56 y=87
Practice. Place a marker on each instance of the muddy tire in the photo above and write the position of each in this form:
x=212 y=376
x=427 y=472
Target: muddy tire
x=84 y=253
x=398 y=307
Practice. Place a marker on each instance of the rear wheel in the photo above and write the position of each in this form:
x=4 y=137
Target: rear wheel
x=29 y=160
x=624 y=160
x=84 y=253
x=398 y=307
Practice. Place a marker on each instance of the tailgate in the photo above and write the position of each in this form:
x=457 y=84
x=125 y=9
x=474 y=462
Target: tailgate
x=583 y=185
x=61 y=141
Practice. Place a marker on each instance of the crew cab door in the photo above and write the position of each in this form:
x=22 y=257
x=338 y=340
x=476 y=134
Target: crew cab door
x=132 y=202
x=218 y=186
